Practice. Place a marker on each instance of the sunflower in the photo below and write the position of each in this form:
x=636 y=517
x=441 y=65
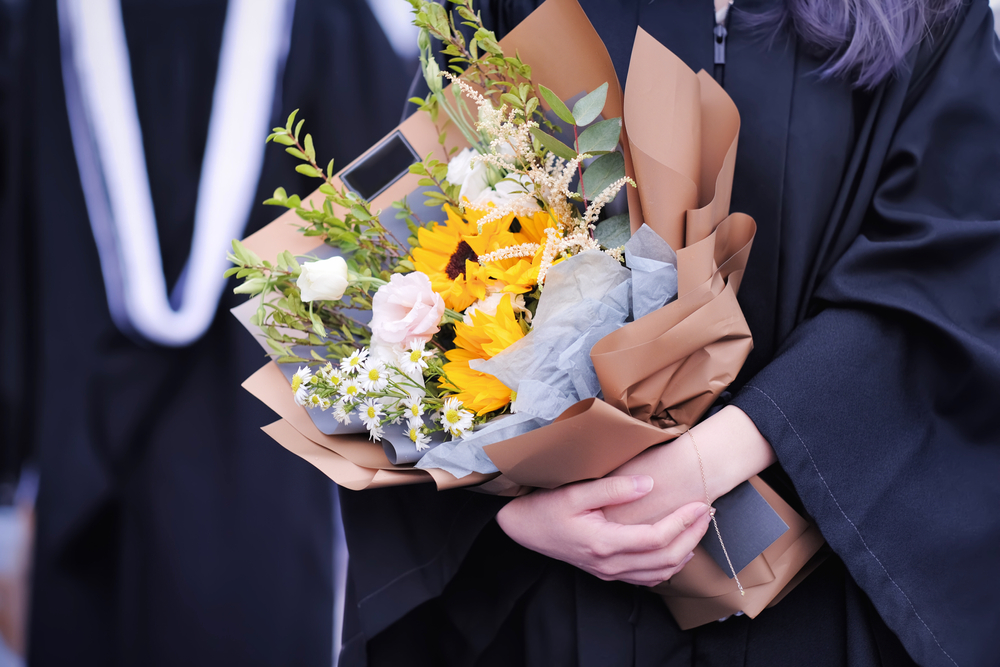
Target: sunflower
x=516 y=275
x=487 y=336
x=448 y=260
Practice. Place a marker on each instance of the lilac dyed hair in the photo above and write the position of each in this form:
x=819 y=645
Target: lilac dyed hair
x=863 y=40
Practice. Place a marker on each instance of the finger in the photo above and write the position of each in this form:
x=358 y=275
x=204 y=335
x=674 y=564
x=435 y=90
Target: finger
x=670 y=556
x=615 y=490
x=642 y=537
x=654 y=576
x=688 y=540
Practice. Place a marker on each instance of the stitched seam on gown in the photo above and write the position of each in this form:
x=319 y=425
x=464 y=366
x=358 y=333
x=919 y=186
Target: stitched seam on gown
x=418 y=567
x=844 y=514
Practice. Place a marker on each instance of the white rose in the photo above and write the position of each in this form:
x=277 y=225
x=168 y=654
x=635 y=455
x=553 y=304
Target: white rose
x=506 y=191
x=323 y=280
x=472 y=177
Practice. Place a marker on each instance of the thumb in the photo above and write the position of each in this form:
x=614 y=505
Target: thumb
x=615 y=490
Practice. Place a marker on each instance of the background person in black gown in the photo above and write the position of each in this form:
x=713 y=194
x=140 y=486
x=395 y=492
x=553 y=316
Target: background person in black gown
x=171 y=530
x=871 y=293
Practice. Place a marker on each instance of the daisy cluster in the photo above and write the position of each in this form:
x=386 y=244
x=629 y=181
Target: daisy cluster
x=380 y=393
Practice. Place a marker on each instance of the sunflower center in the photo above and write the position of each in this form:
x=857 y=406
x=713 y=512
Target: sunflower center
x=456 y=265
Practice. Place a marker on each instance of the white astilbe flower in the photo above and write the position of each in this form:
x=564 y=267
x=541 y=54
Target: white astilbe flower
x=351 y=390
x=454 y=419
x=371 y=413
x=523 y=205
x=616 y=254
x=554 y=246
x=300 y=384
x=414 y=406
x=606 y=195
x=509 y=252
x=353 y=363
x=414 y=358
x=374 y=376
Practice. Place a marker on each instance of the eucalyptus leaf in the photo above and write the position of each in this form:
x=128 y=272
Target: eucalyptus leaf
x=601 y=137
x=604 y=171
x=554 y=145
x=613 y=232
x=557 y=106
x=589 y=107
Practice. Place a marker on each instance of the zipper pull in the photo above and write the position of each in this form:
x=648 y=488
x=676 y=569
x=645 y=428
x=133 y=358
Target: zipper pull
x=719 y=38
x=720 y=44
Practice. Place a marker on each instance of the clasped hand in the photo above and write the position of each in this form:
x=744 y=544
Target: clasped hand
x=641 y=523
x=570 y=524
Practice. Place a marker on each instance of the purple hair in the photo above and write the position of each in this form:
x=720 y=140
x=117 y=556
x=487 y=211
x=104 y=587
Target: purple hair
x=863 y=40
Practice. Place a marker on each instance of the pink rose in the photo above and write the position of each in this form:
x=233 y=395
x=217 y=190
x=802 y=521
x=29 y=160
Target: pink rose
x=406 y=310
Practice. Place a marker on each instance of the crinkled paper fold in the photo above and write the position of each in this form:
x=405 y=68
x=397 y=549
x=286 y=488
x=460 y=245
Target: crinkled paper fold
x=657 y=374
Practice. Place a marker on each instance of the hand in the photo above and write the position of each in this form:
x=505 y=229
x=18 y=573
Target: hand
x=732 y=451
x=569 y=524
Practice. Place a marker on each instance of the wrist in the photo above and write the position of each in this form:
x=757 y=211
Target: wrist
x=731 y=448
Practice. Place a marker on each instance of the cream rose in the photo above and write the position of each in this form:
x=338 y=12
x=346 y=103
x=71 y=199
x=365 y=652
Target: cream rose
x=323 y=280
x=406 y=310
x=473 y=177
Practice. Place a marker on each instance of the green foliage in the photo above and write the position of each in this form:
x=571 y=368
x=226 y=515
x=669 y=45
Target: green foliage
x=552 y=144
x=613 y=232
x=604 y=171
x=589 y=107
x=558 y=107
x=601 y=137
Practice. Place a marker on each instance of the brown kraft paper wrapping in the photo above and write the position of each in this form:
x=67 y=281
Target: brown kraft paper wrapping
x=658 y=374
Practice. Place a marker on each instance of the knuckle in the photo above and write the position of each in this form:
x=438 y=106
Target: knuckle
x=614 y=488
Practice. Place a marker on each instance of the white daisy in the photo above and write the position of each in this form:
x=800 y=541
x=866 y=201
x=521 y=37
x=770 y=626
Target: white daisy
x=314 y=401
x=373 y=376
x=300 y=384
x=371 y=413
x=414 y=359
x=417 y=435
x=413 y=405
x=331 y=375
x=354 y=362
x=376 y=433
x=351 y=390
x=342 y=413
x=454 y=419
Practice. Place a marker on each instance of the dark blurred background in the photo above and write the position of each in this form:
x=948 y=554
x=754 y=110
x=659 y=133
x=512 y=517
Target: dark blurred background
x=144 y=518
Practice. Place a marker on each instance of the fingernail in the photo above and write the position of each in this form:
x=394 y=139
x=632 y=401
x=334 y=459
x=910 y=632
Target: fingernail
x=643 y=483
x=687 y=558
x=705 y=509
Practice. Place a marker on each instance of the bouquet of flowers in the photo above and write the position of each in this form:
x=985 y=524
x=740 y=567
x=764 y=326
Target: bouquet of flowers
x=512 y=326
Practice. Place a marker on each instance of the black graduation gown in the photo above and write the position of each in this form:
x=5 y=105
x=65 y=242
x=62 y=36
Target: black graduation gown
x=171 y=530
x=871 y=292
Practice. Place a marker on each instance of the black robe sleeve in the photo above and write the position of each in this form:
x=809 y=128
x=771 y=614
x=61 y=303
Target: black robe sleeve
x=882 y=403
